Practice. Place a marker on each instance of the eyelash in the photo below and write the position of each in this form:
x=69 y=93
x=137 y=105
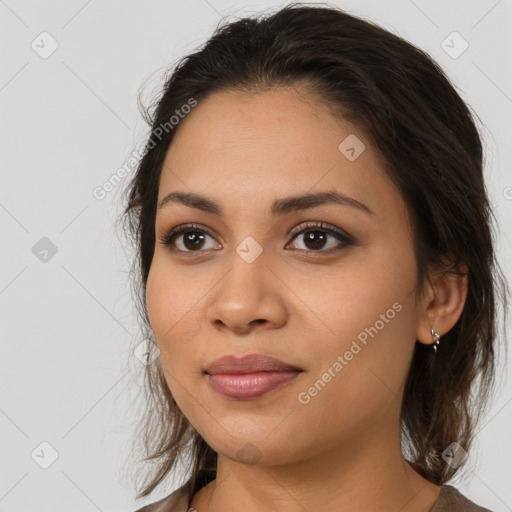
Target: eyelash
x=344 y=238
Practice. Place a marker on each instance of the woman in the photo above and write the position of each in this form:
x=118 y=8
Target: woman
x=317 y=271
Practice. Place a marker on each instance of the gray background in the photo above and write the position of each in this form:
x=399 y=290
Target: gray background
x=68 y=122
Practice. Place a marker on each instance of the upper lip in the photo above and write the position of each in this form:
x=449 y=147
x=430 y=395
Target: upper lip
x=249 y=363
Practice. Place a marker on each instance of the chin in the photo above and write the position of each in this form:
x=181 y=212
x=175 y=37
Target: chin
x=247 y=450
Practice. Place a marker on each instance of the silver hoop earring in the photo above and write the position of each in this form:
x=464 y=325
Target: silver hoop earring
x=436 y=337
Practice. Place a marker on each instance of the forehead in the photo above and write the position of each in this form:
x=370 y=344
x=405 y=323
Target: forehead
x=286 y=121
x=236 y=145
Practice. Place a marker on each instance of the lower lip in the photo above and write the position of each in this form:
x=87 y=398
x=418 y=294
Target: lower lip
x=249 y=385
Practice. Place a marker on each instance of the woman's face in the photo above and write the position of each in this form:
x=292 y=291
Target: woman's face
x=243 y=281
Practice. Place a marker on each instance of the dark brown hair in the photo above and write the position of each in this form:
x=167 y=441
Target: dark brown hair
x=431 y=150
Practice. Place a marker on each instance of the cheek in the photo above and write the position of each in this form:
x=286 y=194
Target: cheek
x=364 y=292
x=161 y=304
x=371 y=318
x=173 y=303
x=170 y=299
x=157 y=301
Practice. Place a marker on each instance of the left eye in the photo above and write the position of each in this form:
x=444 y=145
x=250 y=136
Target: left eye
x=316 y=238
x=191 y=238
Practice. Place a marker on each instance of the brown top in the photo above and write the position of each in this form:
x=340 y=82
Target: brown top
x=449 y=500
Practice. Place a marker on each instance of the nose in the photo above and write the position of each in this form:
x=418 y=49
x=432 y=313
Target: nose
x=247 y=298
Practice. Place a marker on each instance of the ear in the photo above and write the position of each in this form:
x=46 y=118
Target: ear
x=443 y=302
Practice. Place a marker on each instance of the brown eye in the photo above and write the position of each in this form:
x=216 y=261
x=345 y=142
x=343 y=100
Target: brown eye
x=193 y=240
x=186 y=239
x=315 y=239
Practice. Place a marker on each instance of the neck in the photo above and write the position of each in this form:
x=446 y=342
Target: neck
x=366 y=473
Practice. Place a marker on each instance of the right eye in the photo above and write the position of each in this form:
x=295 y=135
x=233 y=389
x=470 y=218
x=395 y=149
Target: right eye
x=191 y=237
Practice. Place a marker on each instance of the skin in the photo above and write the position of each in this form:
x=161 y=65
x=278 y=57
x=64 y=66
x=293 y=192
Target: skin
x=304 y=305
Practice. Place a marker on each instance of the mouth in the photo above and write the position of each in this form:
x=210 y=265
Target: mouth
x=250 y=363
x=249 y=377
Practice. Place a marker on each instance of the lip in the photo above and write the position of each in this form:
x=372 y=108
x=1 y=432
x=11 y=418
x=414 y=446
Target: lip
x=250 y=363
x=250 y=376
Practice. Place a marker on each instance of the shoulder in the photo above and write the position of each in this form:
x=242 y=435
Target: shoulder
x=177 y=501
x=451 y=500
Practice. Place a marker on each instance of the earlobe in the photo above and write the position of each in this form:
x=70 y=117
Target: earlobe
x=444 y=304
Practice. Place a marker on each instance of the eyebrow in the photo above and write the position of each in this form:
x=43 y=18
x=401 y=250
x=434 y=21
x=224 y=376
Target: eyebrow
x=279 y=208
